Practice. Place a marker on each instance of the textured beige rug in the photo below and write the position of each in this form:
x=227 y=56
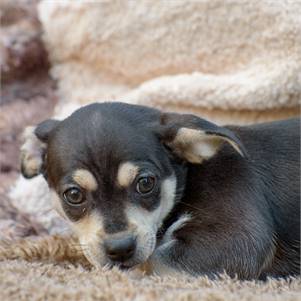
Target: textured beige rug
x=40 y=281
x=52 y=276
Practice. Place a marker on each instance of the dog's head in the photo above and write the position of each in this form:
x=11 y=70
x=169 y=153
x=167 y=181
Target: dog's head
x=116 y=171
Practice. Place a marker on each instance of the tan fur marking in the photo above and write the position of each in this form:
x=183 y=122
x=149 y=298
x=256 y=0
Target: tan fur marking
x=85 y=179
x=89 y=230
x=196 y=145
x=91 y=233
x=31 y=152
x=89 y=225
x=126 y=174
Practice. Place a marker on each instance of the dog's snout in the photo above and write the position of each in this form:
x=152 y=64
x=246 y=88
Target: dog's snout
x=120 y=249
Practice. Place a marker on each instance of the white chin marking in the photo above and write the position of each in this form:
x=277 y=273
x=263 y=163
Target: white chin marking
x=168 y=194
x=147 y=223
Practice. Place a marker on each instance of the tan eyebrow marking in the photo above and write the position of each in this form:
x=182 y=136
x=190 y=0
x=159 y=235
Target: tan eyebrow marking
x=85 y=179
x=126 y=174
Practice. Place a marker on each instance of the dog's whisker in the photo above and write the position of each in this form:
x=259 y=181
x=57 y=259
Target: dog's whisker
x=190 y=206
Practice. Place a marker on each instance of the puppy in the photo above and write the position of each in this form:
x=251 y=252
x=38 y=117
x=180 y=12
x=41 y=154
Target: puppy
x=174 y=191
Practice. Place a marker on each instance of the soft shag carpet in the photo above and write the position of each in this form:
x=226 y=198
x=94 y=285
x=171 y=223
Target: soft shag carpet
x=39 y=281
x=59 y=279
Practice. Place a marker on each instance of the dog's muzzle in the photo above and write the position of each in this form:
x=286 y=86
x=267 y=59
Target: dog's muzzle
x=119 y=250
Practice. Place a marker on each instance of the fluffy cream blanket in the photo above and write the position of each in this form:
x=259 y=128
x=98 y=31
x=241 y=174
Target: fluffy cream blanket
x=232 y=61
x=229 y=61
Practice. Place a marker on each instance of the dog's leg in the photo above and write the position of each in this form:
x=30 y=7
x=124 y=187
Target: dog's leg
x=244 y=255
x=161 y=263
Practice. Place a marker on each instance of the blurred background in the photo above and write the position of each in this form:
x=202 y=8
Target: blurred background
x=235 y=62
x=27 y=91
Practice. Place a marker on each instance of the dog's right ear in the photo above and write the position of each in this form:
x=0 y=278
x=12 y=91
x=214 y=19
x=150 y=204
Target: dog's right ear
x=195 y=139
x=34 y=147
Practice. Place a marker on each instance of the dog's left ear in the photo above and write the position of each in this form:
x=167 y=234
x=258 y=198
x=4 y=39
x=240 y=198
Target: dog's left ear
x=34 y=146
x=195 y=139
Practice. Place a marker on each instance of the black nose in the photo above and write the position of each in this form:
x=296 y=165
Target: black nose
x=120 y=249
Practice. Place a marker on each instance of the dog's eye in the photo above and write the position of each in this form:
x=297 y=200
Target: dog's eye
x=145 y=184
x=73 y=196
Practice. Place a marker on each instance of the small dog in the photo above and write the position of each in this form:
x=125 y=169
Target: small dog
x=174 y=191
